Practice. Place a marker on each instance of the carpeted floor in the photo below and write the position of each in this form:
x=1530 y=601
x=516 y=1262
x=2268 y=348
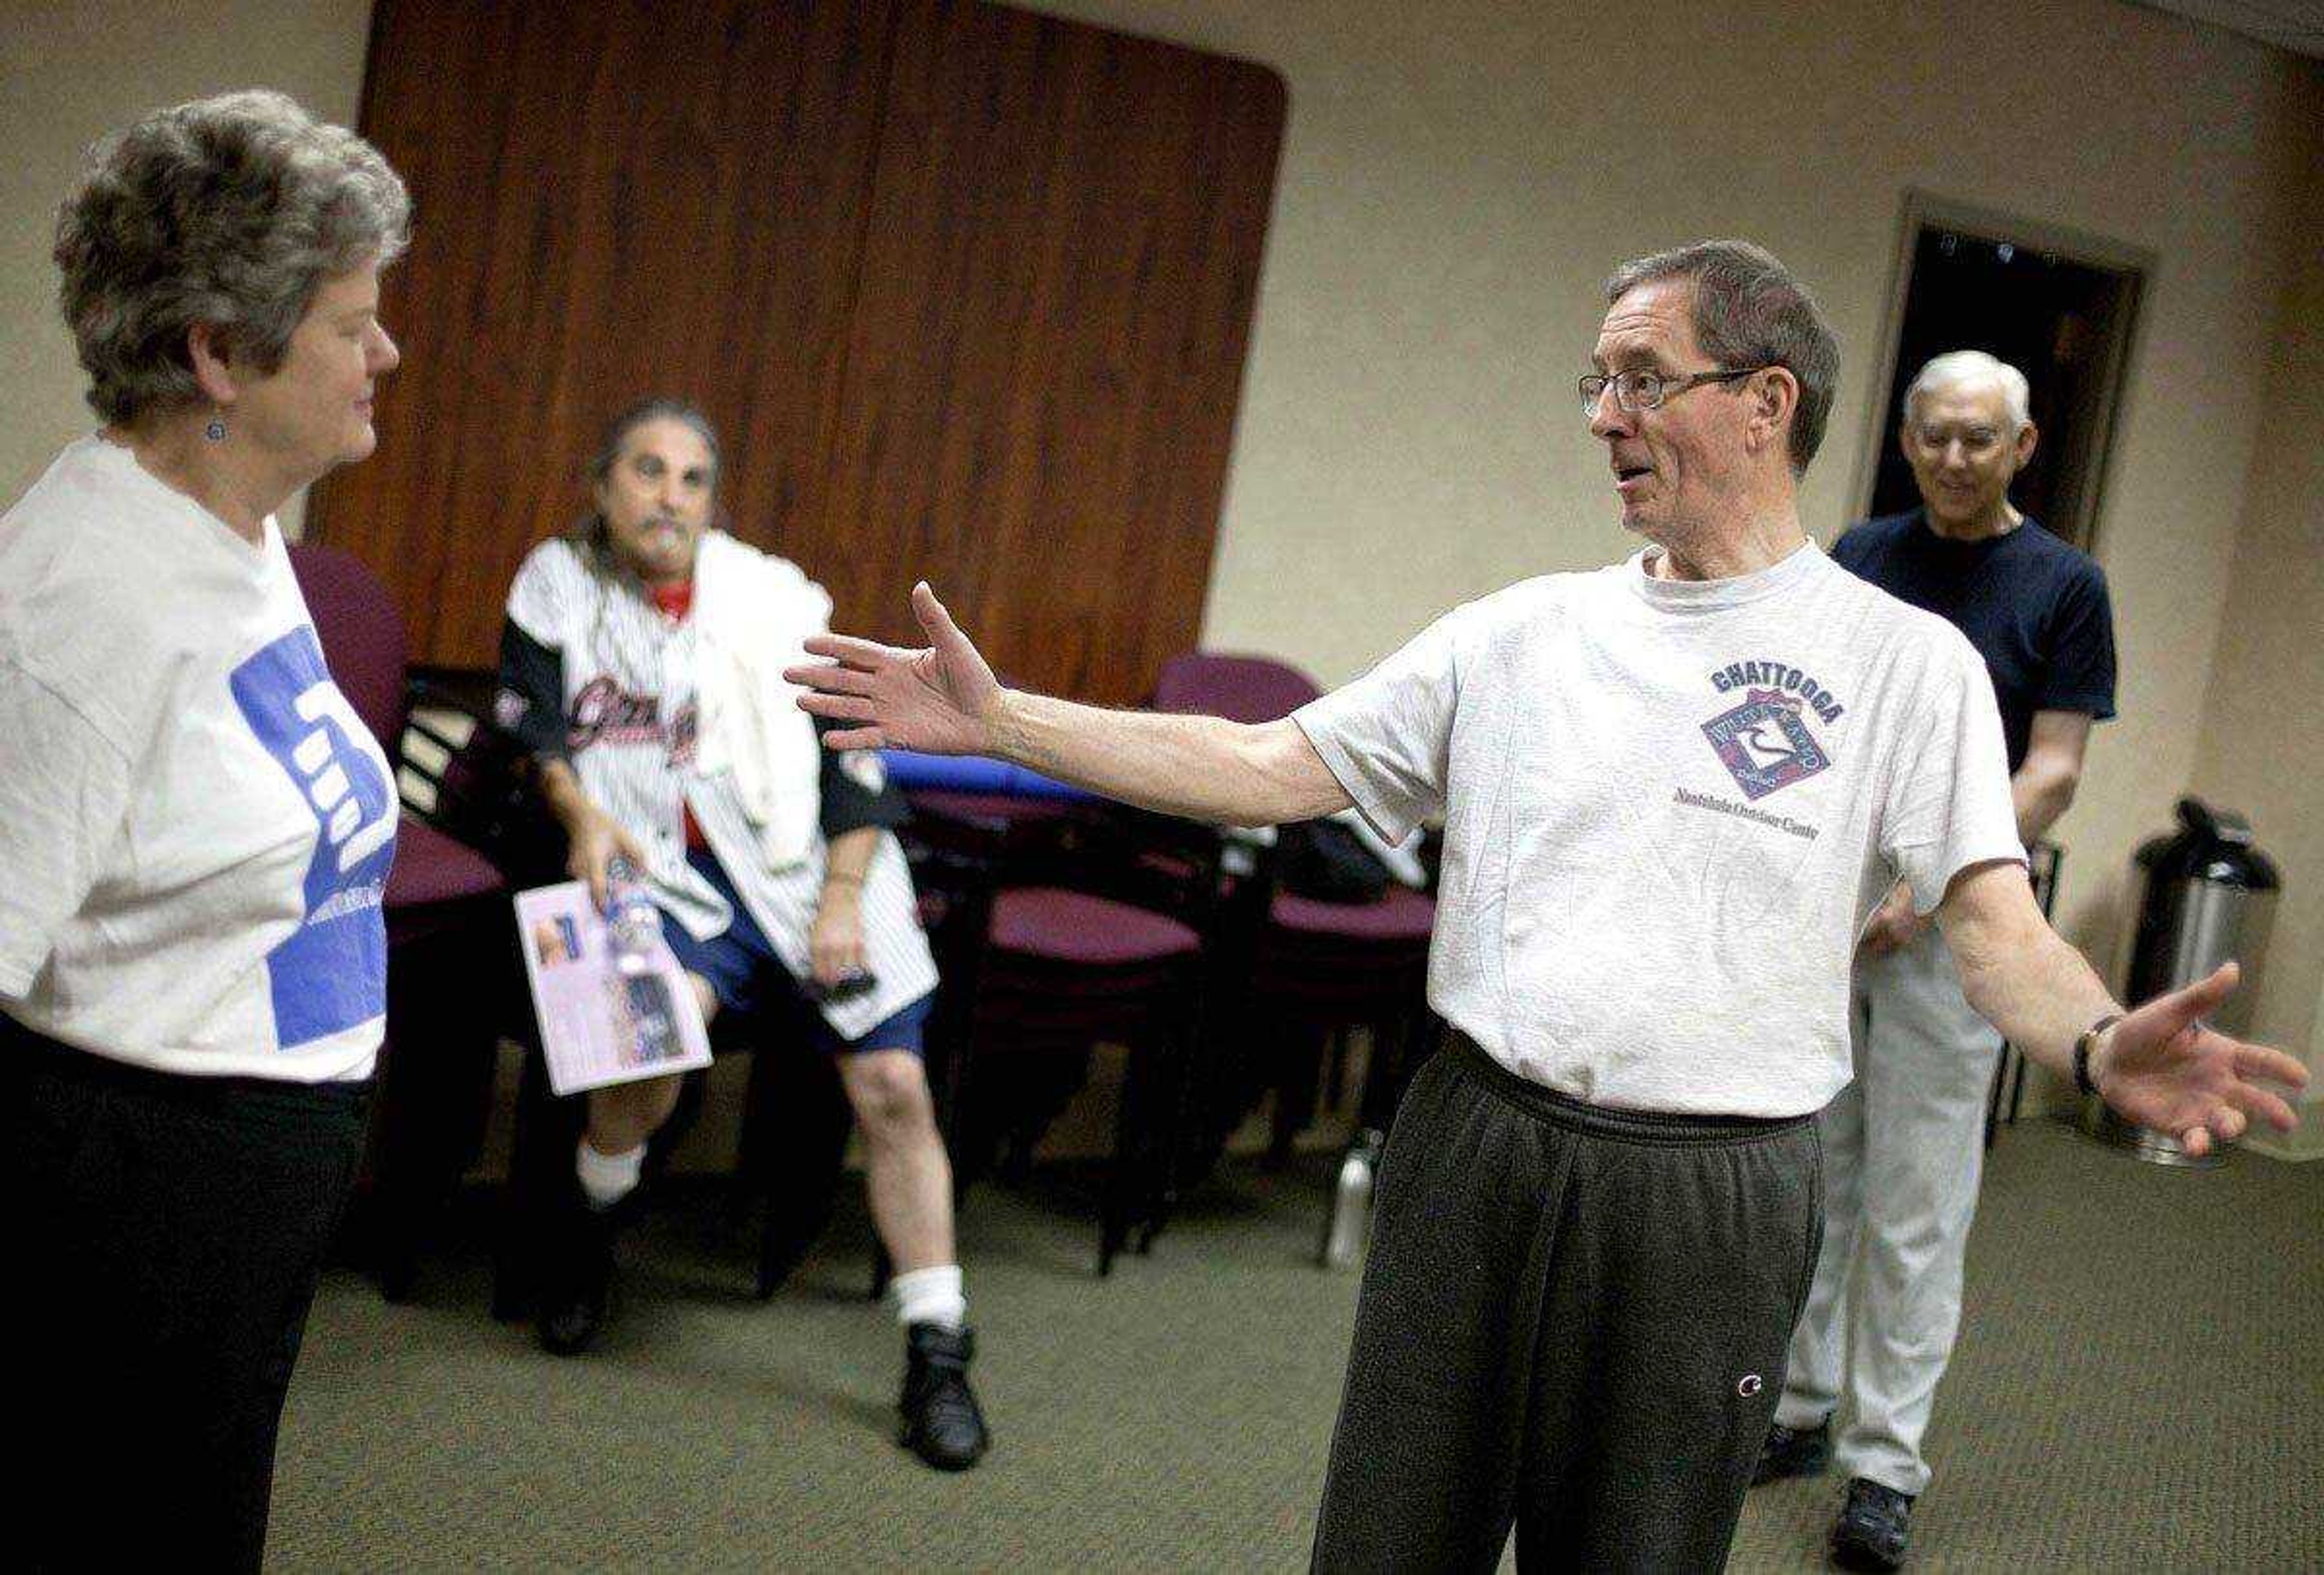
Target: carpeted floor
x=2139 y=1385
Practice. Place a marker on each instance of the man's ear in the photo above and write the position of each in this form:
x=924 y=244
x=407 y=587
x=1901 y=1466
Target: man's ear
x=2027 y=436
x=207 y=352
x=1775 y=398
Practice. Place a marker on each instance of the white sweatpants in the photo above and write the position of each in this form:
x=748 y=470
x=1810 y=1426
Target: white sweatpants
x=1902 y=1146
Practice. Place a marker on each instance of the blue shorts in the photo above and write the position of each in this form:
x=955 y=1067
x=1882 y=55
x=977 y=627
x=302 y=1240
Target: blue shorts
x=747 y=975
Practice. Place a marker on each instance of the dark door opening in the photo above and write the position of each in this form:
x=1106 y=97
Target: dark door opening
x=2064 y=320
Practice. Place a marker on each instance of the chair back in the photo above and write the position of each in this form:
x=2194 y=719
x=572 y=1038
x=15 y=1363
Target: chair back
x=1240 y=688
x=477 y=782
x=362 y=632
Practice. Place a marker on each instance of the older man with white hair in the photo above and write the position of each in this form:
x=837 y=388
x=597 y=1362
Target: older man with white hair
x=1903 y=1142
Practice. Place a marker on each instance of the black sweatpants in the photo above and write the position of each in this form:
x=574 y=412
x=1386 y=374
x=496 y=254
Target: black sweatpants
x=1573 y=1318
x=164 y=1238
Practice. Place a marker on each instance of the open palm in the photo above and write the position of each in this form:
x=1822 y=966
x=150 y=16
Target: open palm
x=940 y=699
x=2164 y=1070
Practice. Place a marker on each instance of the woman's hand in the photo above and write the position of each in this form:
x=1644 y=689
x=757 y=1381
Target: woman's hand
x=836 y=942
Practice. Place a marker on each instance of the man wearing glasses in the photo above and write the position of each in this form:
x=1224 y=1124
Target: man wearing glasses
x=1673 y=790
x=1903 y=1144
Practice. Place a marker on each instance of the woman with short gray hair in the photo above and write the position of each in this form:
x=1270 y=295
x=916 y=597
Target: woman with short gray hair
x=195 y=826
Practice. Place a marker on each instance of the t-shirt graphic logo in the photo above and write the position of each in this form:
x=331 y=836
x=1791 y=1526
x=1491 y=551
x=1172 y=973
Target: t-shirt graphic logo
x=1765 y=742
x=331 y=974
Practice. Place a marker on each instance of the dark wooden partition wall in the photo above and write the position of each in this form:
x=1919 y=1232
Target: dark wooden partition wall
x=965 y=289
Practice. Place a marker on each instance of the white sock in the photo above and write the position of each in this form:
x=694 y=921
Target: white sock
x=931 y=1295
x=607 y=1178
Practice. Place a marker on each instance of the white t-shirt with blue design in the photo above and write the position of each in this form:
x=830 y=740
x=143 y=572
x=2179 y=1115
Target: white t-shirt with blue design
x=1669 y=807
x=195 y=828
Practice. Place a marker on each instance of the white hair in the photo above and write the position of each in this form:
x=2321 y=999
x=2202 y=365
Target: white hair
x=1973 y=367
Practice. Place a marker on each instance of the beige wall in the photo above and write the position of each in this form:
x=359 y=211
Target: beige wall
x=71 y=70
x=1456 y=181
x=2264 y=717
x=1458 y=177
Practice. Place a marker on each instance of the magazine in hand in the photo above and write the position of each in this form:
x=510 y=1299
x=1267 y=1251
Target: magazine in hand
x=598 y=1024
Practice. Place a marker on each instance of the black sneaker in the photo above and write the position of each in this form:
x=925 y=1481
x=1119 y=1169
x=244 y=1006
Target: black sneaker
x=579 y=1281
x=1874 y=1528
x=941 y=1421
x=1793 y=1452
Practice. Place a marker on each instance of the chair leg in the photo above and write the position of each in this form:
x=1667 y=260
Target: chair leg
x=540 y=1167
x=963 y=1132
x=433 y=1095
x=1015 y=1164
x=393 y=1212
x=1225 y=1079
x=1297 y=1052
x=1127 y=1178
x=1400 y=1043
x=1336 y=1075
x=1378 y=1095
x=946 y=1047
x=1186 y=1050
x=794 y=1125
x=683 y=1117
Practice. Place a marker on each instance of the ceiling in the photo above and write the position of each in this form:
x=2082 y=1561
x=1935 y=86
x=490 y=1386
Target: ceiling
x=2288 y=24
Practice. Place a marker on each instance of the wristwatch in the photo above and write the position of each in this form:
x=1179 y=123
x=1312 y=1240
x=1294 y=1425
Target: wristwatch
x=2082 y=1048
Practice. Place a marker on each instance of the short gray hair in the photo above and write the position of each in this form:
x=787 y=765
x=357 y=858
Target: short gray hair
x=1956 y=367
x=1751 y=311
x=229 y=211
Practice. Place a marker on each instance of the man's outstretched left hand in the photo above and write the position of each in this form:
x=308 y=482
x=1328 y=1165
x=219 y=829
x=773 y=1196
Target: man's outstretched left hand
x=2161 y=1068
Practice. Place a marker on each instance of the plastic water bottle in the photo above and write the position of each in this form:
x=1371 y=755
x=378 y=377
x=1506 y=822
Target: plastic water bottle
x=1351 y=1202
x=632 y=923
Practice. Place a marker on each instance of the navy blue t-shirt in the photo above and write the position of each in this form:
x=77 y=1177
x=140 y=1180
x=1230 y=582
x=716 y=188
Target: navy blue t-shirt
x=2035 y=609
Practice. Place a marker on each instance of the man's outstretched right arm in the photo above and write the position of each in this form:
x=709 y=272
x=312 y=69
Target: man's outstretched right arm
x=1204 y=767
x=943 y=699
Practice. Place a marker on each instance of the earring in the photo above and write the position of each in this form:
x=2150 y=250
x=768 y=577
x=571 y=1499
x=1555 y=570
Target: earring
x=216 y=431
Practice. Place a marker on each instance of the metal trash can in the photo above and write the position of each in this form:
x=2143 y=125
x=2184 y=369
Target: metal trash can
x=2205 y=895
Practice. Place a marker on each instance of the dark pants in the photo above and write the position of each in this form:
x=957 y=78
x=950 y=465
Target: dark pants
x=1573 y=1318
x=163 y=1240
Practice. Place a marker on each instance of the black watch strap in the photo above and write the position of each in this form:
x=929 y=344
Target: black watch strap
x=2088 y=1042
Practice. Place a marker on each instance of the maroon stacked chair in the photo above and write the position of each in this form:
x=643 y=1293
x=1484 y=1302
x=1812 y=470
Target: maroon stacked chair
x=1062 y=925
x=449 y=977
x=1314 y=969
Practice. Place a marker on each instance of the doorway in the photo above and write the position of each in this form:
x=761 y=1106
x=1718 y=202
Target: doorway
x=2062 y=310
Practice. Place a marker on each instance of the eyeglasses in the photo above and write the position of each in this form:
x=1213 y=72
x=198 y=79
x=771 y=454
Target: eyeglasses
x=1642 y=391
x=1977 y=442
